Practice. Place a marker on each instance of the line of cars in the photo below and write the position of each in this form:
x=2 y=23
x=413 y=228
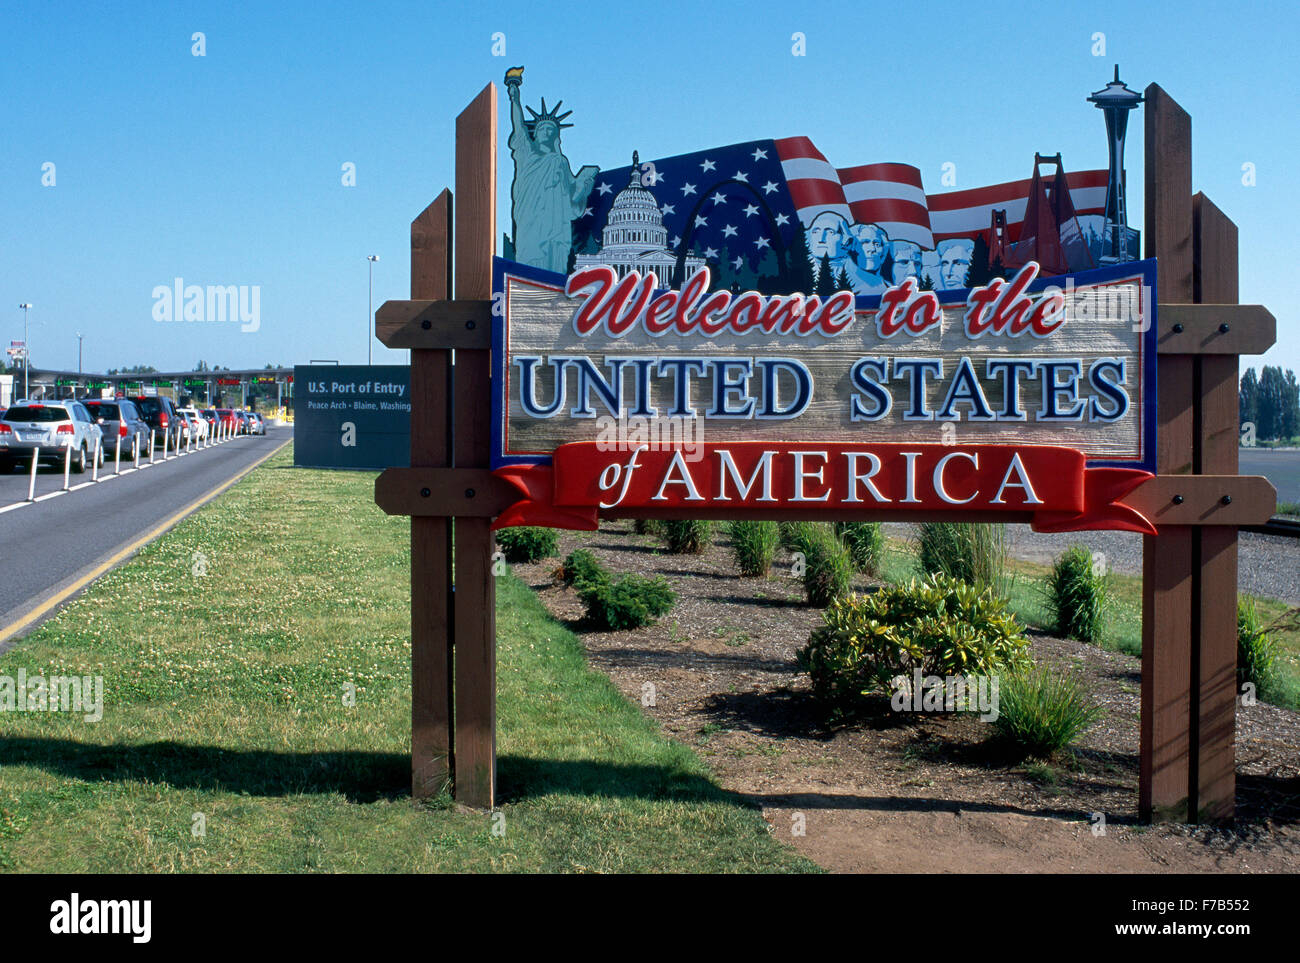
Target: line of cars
x=90 y=425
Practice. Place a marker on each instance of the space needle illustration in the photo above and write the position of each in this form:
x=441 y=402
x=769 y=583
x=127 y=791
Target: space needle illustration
x=1115 y=100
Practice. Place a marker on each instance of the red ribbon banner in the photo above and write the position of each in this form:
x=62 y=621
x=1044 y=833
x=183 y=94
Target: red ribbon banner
x=1052 y=482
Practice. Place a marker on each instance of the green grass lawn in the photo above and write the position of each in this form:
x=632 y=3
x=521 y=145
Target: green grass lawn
x=1123 y=627
x=224 y=708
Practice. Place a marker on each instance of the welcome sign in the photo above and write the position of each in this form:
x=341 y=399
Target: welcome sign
x=1022 y=394
x=750 y=327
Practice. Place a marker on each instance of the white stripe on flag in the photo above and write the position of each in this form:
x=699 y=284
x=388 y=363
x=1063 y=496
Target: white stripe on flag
x=874 y=190
x=800 y=167
x=967 y=220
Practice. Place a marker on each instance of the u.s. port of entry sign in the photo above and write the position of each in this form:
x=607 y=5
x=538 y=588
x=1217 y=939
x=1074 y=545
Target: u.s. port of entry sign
x=1025 y=394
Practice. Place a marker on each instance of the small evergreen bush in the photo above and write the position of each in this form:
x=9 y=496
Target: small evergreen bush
x=629 y=603
x=526 y=544
x=581 y=568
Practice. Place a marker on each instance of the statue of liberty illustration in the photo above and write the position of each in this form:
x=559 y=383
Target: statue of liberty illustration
x=545 y=195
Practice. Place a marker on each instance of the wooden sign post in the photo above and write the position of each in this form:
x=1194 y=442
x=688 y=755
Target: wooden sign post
x=1189 y=585
x=1196 y=500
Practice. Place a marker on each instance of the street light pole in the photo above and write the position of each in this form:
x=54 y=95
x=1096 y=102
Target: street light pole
x=26 y=351
x=79 y=337
x=370 y=339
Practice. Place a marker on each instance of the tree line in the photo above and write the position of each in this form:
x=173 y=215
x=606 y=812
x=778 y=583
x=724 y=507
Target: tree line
x=1271 y=402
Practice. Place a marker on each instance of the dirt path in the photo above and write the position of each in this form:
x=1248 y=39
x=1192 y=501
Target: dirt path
x=911 y=793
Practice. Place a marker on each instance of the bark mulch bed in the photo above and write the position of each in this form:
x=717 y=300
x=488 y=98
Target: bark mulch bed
x=909 y=792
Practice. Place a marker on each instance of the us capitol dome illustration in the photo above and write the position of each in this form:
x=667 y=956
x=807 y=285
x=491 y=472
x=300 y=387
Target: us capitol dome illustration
x=634 y=237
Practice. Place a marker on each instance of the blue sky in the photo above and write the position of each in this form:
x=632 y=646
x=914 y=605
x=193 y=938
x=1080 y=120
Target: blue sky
x=226 y=168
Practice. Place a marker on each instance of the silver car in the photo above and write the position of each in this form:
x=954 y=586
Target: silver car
x=54 y=427
x=119 y=418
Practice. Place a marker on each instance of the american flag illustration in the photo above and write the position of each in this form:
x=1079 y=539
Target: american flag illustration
x=743 y=204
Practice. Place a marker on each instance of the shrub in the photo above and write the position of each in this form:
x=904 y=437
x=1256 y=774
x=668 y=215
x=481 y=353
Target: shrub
x=828 y=569
x=686 y=537
x=1076 y=595
x=795 y=535
x=938 y=625
x=528 y=544
x=974 y=553
x=1041 y=710
x=866 y=544
x=629 y=603
x=648 y=526
x=581 y=568
x=753 y=544
x=1256 y=649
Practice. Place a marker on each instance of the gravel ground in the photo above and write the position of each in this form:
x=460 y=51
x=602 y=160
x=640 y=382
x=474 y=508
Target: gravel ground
x=1267 y=565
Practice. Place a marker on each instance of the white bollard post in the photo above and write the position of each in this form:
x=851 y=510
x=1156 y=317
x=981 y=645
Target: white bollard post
x=67 y=465
x=94 y=465
x=138 y=449
x=166 y=434
x=117 y=456
x=152 y=445
x=31 y=485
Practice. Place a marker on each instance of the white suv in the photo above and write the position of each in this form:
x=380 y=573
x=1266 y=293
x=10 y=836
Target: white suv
x=198 y=424
x=52 y=428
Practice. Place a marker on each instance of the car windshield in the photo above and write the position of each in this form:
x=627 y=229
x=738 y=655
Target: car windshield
x=104 y=410
x=37 y=413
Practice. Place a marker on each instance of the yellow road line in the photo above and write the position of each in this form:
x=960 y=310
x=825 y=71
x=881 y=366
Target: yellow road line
x=58 y=598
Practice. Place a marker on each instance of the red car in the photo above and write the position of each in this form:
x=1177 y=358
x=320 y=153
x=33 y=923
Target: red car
x=228 y=419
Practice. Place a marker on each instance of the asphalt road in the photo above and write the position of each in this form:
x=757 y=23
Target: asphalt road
x=51 y=547
x=1280 y=465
